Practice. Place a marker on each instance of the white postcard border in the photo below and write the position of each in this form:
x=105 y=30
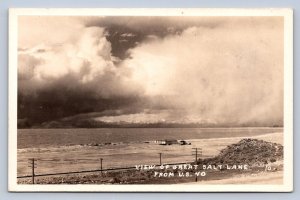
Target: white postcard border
x=287 y=185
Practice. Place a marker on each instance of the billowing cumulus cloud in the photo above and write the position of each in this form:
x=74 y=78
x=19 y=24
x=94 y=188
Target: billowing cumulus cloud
x=200 y=70
x=234 y=74
x=79 y=76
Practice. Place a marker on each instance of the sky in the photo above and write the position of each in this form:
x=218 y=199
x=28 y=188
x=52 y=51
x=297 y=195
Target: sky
x=219 y=70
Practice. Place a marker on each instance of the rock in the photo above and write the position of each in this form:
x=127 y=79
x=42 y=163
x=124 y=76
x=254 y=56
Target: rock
x=248 y=151
x=114 y=180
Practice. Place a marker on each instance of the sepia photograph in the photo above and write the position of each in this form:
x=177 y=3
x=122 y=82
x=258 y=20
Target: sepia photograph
x=150 y=100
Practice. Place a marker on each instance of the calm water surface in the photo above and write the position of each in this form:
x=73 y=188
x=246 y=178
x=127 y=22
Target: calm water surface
x=28 y=138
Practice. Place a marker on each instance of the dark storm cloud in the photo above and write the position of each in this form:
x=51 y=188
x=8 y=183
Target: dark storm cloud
x=195 y=69
x=160 y=25
x=140 y=28
x=65 y=96
x=55 y=82
x=27 y=71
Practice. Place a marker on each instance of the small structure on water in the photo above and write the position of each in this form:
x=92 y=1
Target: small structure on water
x=172 y=141
x=183 y=142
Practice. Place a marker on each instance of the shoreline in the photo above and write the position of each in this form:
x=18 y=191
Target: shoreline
x=139 y=142
x=41 y=138
x=87 y=157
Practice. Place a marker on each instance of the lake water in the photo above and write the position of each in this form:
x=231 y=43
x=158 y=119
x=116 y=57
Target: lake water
x=32 y=138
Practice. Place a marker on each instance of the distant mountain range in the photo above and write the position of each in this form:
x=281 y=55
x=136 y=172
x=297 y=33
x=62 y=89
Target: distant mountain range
x=92 y=123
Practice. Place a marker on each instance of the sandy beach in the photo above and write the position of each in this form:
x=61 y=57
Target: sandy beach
x=77 y=158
